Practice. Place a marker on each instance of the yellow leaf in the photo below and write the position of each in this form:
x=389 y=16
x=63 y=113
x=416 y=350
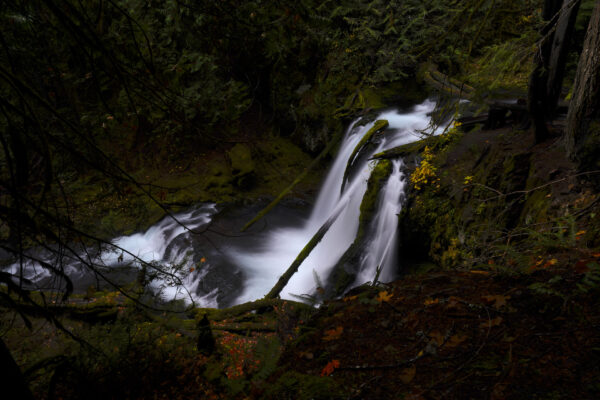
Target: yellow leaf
x=408 y=374
x=350 y=298
x=429 y=302
x=384 y=296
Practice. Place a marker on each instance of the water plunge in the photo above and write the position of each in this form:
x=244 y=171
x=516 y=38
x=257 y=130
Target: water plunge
x=234 y=273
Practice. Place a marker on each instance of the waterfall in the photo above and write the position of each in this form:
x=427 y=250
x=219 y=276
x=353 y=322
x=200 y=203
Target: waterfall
x=283 y=245
x=216 y=276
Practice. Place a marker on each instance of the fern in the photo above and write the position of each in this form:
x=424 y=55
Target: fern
x=267 y=351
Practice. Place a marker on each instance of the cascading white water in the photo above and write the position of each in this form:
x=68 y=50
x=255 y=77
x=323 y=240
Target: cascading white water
x=266 y=265
x=170 y=243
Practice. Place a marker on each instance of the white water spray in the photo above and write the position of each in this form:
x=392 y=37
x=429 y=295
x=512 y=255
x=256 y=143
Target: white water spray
x=168 y=243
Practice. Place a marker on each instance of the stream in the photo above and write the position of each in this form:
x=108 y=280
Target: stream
x=208 y=261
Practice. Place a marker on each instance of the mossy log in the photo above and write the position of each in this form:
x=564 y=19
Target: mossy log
x=296 y=181
x=378 y=126
x=403 y=151
x=231 y=312
x=284 y=279
x=447 y=85
x=246 y=326
x=344 y=272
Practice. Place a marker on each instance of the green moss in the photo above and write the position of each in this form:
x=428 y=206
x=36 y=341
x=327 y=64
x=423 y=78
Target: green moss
x=379 y=176
x=378 y=126
x=373 y=98
x=536 y=208
x=587 y=150
x=344 y=272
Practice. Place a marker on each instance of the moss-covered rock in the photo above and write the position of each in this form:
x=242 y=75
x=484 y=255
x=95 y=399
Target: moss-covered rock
x=242 y=166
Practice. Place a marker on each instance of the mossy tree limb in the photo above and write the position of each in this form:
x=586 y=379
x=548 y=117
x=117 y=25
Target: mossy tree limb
x=378 y=126
x=316 y=239
x=344 y=272
x=296 y=181
x=231 y=312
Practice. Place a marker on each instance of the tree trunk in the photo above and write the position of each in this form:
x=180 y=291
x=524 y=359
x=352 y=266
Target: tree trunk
x=582 y=136
x=546 y=79
x=12 y=384
x=558 y=55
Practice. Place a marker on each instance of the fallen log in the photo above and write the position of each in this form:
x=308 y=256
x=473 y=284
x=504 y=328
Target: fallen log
x=284 y=279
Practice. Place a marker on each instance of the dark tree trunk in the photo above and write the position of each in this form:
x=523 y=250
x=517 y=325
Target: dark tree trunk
x=12 y=384
x=558 y=56
x=546 y=80
x=582 y=136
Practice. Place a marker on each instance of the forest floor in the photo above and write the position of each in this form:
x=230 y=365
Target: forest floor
x=459 y=335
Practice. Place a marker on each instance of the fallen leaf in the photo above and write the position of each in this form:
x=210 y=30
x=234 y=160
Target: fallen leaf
x=491 y=323
x=437 y=337
x=453 y=302
x=498 y=300
x=408 y=374
x=581 y=266
x=429 y=302
x=384 y=296
x=203 y=260
x=479 y=272
x=455 y=340
x=350 y=298
x=330 y=367
x=333 y=334
x=192 y=269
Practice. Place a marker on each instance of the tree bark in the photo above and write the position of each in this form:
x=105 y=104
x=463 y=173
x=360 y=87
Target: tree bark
x=546 y=79
x=582 y=135
x=12 y=383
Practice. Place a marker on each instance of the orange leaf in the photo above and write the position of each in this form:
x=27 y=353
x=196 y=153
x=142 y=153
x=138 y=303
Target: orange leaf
x=203 y=260
x=330 y=367
x=192 y=269
x=408 y=374
x=350 y=298
x=429 y=302
x=437 y=337
x=491 y=323
x=479 y=272
x=453 y=302
x=333 y=334
x=581 y=266
x=384 y=296
x=456 y=340
x=498 y=300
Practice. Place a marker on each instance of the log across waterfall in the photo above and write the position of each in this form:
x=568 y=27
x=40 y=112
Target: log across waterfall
x=346 y=237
